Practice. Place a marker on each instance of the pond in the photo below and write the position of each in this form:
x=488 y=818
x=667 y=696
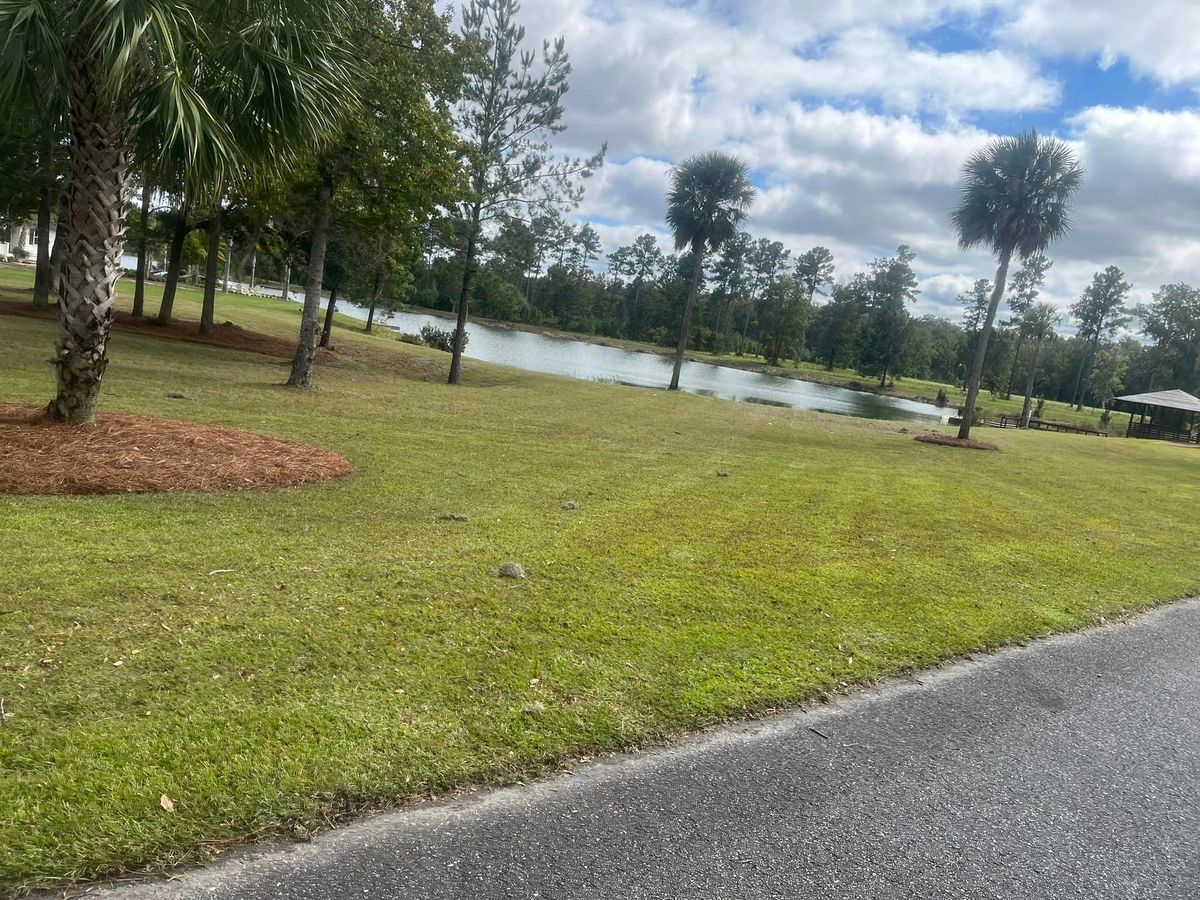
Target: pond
x=592 y=362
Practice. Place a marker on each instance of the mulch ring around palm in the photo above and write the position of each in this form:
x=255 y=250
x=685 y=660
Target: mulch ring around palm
x=125 y=454
x=945 y=440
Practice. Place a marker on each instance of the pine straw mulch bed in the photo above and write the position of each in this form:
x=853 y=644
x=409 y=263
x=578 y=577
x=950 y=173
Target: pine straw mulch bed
x=945 y=440
x=225 y=334
x=125 y=454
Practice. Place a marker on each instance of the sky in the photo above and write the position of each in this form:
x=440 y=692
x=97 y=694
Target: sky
x=856 y=116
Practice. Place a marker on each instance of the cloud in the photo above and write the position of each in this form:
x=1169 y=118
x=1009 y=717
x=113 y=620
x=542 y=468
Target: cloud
x=1157 y=38
x=856 y=118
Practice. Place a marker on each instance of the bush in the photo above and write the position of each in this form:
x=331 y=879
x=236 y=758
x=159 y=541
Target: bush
x=441 y=338
x=410 y=338
x=942 y=397
x=20 y=253
x=659 y=336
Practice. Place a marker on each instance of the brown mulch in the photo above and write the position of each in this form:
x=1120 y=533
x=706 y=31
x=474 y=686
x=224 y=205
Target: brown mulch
x=945 y=440
x=124 y=454
x=225 y=334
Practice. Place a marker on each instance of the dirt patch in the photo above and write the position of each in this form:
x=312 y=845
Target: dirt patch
x=225 y=334
x=125 y=454
x=945 y=440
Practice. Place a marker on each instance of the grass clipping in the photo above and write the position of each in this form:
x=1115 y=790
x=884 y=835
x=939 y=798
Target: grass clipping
x=125 y=454
x=945 y=440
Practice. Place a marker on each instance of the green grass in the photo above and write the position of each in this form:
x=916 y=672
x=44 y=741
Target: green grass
x=359 y=653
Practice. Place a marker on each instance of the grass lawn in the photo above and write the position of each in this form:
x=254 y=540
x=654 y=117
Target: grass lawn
x=359 y=653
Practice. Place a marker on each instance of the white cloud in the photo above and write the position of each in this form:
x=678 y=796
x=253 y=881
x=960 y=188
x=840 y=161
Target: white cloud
x=856 y=125
x=1158 y=38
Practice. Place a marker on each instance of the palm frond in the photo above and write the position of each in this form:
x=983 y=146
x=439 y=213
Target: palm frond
x=33 y=54
x=1016 y=194
x=710 y=196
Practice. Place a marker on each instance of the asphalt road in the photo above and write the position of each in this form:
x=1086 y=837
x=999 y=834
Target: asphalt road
x=1070 y=768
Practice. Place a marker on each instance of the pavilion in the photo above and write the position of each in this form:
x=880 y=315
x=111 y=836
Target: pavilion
x=1162 y=416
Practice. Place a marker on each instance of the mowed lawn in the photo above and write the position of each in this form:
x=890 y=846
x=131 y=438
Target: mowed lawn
x=358 y=652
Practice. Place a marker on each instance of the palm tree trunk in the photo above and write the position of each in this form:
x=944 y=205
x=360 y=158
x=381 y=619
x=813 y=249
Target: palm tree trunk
x=174 y=265
x=985 y=335
x=208 y=311
x=139 y=282
x=1027 y=407
x=685 y=327
x=306 y=346
x=460 y=326
x=98 y=182
x=327 y=330
x=228 y=260
x=41 y=280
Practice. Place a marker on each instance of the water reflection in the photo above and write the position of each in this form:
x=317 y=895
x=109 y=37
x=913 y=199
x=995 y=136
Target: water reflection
x=592 y=362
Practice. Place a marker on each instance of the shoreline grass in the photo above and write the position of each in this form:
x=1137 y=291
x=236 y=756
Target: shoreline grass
x=358 y=652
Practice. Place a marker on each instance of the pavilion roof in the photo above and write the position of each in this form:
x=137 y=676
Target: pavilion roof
x=1165 y=399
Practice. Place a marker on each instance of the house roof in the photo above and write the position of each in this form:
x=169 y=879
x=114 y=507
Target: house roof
x=1166 y=399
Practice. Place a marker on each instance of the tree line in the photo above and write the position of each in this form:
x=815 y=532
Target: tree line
x=319 y=143
x=366 y=149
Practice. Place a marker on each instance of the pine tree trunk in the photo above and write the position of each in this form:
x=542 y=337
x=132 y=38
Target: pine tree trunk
x=460 y=326
x=174 y=266
x=327 y=330
x=95 y=232
x=1027 y=407
x=1085 y=373
x=208 y=311
x=681 y=348
x=306 y=346
x=41 y=280
x=985 y=335
x=139 y=282
x=1012 y=375
x=287 y=277
x=376 y=296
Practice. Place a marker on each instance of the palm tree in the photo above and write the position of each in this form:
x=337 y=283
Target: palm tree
x=710 y=196
x=215 y=85
x=1016 y=194
x=1037 y=324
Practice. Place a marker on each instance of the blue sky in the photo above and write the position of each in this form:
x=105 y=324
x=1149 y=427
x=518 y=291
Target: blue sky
x=856 y=117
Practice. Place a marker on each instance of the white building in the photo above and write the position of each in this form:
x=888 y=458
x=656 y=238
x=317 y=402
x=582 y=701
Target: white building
x=24 y=237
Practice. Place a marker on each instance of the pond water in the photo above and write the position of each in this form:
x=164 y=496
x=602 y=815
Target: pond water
x=592 y=362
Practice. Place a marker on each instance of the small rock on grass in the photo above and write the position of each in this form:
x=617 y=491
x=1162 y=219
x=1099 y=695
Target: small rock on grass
x=511 y=570
x=536 y=709
x=454 y=517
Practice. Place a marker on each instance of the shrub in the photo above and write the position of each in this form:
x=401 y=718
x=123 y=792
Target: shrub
x=20 y=253
x=942 y=397
x=410 y=338
x=441 y=338
x=658 y=336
